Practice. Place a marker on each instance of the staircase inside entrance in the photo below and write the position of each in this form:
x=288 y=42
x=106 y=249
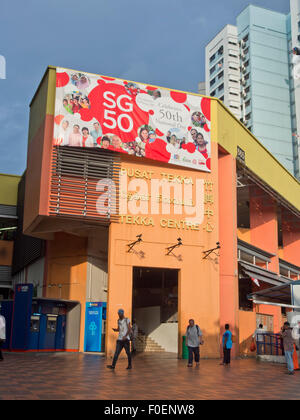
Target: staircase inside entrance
x=145 y=343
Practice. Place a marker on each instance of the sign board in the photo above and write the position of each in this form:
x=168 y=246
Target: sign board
x=133 y=118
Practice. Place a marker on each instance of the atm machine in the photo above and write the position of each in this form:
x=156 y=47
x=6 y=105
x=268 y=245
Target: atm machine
x=60 y=333
x=48 y=332
x=34 y=334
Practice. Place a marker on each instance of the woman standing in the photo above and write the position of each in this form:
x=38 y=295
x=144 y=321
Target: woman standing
x=201 y=145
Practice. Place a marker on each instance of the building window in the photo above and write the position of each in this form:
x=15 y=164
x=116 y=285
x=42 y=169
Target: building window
x=232 y=43
x=245 y=39
x=234 y=81
x=220 y=50
x=212 y=82
x=221 y=87
x=221 y=75
x=212 y=58
x=213 y=93
x=233 y=68
x=233 y=55
x=248 y=103
x=222 y=98
x=212 y=70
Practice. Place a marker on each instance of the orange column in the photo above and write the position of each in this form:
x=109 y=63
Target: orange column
x=228 y=251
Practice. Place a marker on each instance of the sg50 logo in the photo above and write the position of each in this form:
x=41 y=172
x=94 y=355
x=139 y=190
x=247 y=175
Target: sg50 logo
x=2 y=67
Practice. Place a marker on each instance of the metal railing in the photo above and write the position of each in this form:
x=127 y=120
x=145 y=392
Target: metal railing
x=269 y=344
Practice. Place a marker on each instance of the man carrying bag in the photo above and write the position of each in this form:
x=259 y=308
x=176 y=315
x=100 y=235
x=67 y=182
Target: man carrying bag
x=194 y=339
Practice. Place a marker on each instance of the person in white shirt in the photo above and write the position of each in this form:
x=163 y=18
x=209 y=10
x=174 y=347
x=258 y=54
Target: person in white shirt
x=258 y=335
x=64 y=132
x=123 y=340
x=2 y=334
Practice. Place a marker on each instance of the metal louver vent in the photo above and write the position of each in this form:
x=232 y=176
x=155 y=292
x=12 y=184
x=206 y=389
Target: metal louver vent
x=75 y=177
x=8 y=211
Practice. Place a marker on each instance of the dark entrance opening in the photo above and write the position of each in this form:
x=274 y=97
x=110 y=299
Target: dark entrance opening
x=155 y=308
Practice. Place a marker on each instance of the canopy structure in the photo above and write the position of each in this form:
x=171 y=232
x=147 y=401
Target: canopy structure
x=259 y=273
x=281 y=295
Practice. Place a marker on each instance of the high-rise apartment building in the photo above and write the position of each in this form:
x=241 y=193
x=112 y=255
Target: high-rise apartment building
x=222 y=72
x=268 y=101
x=266 y=108
x=293 y=27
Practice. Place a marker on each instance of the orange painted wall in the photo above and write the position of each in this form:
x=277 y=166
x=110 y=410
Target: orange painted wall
x=291 y=245
x=264 y=225
x=244 y=235
x=198 y=289
x=38 y=175
x=247 y=326
x=67 y=266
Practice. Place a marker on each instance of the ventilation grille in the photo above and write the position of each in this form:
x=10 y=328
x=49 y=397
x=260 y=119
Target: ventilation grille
x=75 y=183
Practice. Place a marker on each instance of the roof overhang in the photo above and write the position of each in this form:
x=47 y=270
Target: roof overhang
x=261 y=274
x=277 y=295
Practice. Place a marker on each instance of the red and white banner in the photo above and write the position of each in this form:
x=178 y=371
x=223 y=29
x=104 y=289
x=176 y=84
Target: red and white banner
x=127 y=117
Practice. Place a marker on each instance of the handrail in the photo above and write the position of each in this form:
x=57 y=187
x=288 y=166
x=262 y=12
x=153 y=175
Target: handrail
x=271 y=344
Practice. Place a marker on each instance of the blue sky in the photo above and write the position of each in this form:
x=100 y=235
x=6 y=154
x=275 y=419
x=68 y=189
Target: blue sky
x=157 y=42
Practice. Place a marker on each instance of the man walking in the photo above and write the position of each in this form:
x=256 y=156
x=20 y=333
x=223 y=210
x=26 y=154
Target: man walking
x=288 y=346
x=227 y=345
x=2 y=335
x=194 y=339
x=123 y=340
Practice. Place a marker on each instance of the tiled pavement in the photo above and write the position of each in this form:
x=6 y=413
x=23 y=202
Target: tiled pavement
x=84 y=376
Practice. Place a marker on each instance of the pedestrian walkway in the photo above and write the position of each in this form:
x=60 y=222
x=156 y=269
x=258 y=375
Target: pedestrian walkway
x=84 y=376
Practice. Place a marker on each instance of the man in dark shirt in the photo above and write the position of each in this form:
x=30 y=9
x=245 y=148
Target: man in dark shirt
x=288 y=345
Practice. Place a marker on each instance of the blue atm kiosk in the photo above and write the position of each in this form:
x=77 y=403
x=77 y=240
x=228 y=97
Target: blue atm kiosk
x=34 y=334
x=60 y=332
x=49 y=332
x=95 y=318
x=34 y=324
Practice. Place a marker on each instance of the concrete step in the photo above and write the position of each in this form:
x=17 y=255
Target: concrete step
x=145 y=343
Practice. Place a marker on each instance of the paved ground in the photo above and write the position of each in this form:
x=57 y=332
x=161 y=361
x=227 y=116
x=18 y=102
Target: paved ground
x=84 y=376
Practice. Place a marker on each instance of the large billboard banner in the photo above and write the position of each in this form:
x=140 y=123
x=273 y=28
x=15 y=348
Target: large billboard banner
x=133 y=118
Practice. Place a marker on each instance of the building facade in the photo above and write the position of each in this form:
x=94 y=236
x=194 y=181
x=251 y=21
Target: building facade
x=125 y=244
